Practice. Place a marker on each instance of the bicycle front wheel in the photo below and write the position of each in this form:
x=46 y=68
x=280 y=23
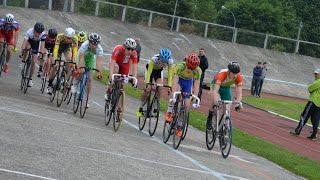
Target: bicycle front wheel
x=107 y=112
x=179 y=130
x=23 y=76
x=60 y=88
x=76 y=98
x=2 y=61
x=143 y=118
x=27 y=76
x=211 y=134
x=85 y=98
x=225 y=138
x=118 y=111
x=44 y=76
x=154 y=116
x=67 y=95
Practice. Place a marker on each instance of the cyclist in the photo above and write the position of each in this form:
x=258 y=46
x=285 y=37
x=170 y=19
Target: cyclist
x=154 y=71
x=221 y=85
x=9 y=30
x=124 y=56
x=90 y=55
x=185 y=73
x=32 y=40
x=49 y=41
x=82 y=37
x=66 y=43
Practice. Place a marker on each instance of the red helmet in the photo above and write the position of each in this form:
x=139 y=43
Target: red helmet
x=192 y=61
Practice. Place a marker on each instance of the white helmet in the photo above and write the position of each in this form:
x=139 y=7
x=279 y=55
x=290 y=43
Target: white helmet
x=9 y=18
x=69 y=32
x=130 y=43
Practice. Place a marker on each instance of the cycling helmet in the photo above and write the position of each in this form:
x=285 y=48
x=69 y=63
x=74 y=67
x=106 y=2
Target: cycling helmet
x=94 y=38
x=192 y=61
x=9 y=18
x=130 y=43
x=69 y=32
x=234 y=67
x=52 y=33
x=81 y=36
x=165 y=55
x=39 y=27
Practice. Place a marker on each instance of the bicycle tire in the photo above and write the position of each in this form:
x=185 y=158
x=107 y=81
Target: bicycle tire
x=118 y=113
x=168 y=126
x=44 y=76
x=76 y=97
x=225 y=137
x=2 y=61
x=154 y=104
x=67 y=89
x=23 y=77
x=145 y=113
x=176 y=139
x=211 y=135
x=27 y=80
x=60 y=88
x=186 y=127
x=107 y=112
x=85 y=97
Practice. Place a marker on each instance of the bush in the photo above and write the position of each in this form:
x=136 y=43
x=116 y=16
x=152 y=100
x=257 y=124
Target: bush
x=278 y=47
x=186 y=28
x=160 y=22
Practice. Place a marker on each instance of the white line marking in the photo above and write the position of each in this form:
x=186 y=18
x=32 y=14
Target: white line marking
x=212 y=44
x=195 y=162
x=176 y=46
x=26 y=174
x=185 y=38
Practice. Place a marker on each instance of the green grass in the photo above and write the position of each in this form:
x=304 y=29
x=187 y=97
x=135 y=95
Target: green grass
x=291 y=109
x=292 y=162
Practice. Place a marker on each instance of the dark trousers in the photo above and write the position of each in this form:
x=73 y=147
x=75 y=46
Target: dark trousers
x=255 y=86
x=261 y=83
x=310 y=110
x=201 y=83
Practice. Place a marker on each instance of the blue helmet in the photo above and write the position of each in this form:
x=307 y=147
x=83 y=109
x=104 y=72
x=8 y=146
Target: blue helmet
x=165 y=54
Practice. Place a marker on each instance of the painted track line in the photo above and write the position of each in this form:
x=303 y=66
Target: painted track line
x=25 y=174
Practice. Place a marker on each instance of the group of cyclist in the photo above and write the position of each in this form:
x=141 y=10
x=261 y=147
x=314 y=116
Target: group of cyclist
x=87 y=51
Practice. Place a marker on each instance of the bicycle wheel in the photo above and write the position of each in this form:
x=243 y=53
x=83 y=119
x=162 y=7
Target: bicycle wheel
x=168 y=126
x=76 y=97
x=2 y=60
x=44 y=76
x=60 y=88
x=225 y=138
x=67 y=95
x=176 y=138
x=23 y=76
x=211 y=134
x=27 y=76
x=84 y=98
x=145 y=113
x=186 y=127
x=107 y=111
x=154 y=116
x=118 y=111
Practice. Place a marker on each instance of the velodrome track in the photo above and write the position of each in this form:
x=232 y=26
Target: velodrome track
x=41 y=141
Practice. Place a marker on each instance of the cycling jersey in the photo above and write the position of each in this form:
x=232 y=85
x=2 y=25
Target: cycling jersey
x=62 y=46
x=6 y=31
x=183 y=72
x=49 y=42
x=223 y=80
x=122 y=60
x=156 y=64
x=30 y=36
x=89 y=54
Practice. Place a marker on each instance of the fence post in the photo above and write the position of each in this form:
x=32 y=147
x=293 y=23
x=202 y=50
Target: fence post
x=26 y=3
x=4 y=3
x=178 y=24
x=50 y=5
x=266 y=41
x=150 y=19
x=206 y=30
x=72 y=6
x=124 y=13
x=96 y=13
x=235 y=35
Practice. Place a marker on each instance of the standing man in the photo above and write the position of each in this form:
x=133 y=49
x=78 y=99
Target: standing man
x=257 y=71
x=138 y=48
x=203 y=66
x=263 y=75
x=312 y=108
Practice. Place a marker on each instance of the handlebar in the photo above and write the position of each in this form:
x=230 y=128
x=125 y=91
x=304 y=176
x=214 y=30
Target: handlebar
x=196 y=105
x=88 y=69
x=125 y=78
x=221 y=102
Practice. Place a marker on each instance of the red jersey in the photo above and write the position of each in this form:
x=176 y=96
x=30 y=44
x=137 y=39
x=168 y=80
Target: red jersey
x=122 y=60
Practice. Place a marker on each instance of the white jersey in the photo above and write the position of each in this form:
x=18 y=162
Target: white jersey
x=158 y=64
x=30 y=35
x=86 y=50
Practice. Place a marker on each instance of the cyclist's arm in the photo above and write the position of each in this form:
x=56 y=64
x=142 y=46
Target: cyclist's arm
x=99 y=60
x=196 y=85
x=149 y=71
x=215 y=93
x=175 y=83
x=238 y=94
x=170 y=74
x=55 y=51
x=314 y=86
x=111 y=66
x=74 y=52
x=24 y=44
x=81 y=58
x=134 y=69
x=42 y=47
x=16 y=37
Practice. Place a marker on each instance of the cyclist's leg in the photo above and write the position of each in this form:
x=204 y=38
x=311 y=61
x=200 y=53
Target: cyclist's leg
x=175 y=81
x=212 y=110
x=90 y=62
x=10 y=43
x=159 y=80
x=68 y=55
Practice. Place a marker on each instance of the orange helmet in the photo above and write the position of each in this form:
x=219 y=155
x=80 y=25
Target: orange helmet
x=192 y=61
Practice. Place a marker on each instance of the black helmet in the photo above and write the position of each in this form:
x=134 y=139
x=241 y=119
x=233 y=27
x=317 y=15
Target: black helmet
x=94 y=38
x=52 y=33
x=234 y=67
x=38 y=27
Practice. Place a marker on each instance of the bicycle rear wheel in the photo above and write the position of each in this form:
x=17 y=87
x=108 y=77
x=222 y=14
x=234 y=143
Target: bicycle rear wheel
x=186 y=127
x=23 y=76
x=60 y=88
x=55 y=83
x=2 y=60
x=84 y=98
x=176 y=137
x=118 y=111
x=154 y=117
x=211 y=134
x=145 y=112
x=225 y=138
x=27 y=76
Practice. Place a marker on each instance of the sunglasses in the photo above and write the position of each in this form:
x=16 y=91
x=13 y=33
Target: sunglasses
x=94 y=44
x=130 y=49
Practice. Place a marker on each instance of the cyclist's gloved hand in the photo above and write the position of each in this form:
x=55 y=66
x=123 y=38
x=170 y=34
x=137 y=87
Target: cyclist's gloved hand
x=239 y=107
x=99 y=76
x=169 y=90
x=195 y=105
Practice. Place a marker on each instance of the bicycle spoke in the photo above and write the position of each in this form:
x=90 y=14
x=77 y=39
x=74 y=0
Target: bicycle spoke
x=179 y=129
x=154 y=116
x=225 y=137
